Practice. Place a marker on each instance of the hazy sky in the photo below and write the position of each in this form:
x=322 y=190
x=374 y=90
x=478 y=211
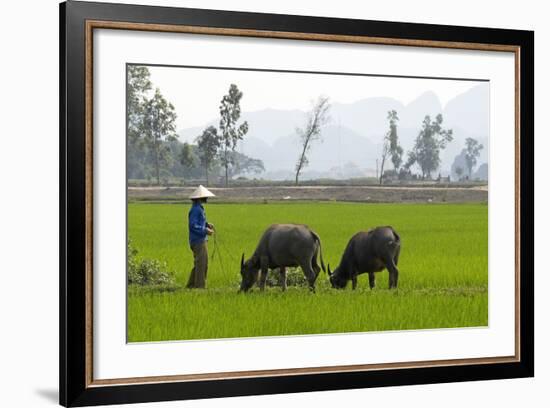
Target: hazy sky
x=196 y=93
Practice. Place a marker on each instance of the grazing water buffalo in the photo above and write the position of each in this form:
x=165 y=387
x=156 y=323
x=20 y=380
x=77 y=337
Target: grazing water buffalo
x=281 y=246
x=369 y=252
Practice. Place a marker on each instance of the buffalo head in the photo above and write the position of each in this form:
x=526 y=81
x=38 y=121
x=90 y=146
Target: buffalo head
x=336 y=279
x=249 y=273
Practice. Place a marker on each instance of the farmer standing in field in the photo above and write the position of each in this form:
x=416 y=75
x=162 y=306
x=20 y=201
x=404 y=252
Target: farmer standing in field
x=199 y=230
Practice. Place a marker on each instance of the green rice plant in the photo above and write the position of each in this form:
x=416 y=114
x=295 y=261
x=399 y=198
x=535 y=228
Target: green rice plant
x=443 y=266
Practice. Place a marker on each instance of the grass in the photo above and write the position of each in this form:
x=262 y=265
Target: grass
x=442 y=282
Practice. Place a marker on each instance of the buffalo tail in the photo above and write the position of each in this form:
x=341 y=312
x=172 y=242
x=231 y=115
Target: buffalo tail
x=316 y=237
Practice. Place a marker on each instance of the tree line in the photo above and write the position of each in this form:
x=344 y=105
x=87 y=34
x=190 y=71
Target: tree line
x=153 y=149
x=467 y=159
x=424 y=155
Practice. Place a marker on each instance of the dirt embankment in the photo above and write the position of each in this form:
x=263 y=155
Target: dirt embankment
x=372 y=194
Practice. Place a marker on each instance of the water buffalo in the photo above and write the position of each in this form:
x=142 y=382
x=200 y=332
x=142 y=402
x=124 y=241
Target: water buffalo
x=281 y=246
x=369 y=252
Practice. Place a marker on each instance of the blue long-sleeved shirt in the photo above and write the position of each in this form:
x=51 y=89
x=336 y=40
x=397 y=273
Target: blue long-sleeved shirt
x=197 y=224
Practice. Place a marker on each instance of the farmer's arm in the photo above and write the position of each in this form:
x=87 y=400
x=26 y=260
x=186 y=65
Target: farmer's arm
x=197 y=223
x=209 y=227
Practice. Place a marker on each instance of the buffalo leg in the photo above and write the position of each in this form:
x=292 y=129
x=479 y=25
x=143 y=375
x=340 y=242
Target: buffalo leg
x=372 y=280
x=354 y=282
x=263 y=275
x=282 y=271
x=310 y=275
x=394 y=273
x=396 y=256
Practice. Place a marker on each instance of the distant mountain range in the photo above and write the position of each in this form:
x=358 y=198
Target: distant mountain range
x=352 y=141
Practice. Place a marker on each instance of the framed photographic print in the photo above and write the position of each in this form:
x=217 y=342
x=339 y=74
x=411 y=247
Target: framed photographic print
x=256 y=203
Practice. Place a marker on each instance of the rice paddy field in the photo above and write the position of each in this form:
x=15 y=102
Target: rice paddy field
x=442 y=283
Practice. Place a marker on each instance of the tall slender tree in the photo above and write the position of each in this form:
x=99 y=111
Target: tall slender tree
x=208 y=144
x=159 y=125
x=138 y=84
x=230 y=132
x=391 y=145
x=311 y=132
x=395 y=148
x=473 y=148
x=385 y=153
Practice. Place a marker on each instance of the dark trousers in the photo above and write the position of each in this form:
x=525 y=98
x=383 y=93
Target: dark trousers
x=197 y=279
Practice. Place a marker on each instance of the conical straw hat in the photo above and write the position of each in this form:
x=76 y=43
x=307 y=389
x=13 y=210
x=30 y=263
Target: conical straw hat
x=201 y=192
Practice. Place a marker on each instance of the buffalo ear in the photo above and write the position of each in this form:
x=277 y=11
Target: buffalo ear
x=328 y=268
x=242 y=260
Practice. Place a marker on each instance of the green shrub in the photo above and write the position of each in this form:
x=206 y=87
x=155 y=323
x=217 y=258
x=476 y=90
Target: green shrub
x=294 y=277
x=147 y=271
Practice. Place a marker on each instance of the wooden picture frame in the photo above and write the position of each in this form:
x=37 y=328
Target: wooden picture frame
x=78 y=20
